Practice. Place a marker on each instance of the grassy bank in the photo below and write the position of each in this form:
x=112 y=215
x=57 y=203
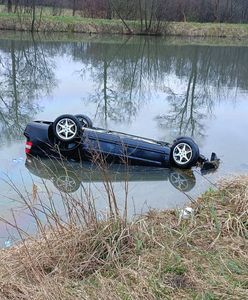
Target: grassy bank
x=119 y=39
x=158 y=256
x=67 y=23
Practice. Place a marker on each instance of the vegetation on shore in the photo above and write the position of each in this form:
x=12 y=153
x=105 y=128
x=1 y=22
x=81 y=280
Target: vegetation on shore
x=146 y=17
x=157 y=256
x=45 y=21
x=48 y=23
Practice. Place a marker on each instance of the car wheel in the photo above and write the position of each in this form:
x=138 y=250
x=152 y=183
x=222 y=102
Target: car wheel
x=84 y=121
x=67 y=183
x=184 y=153
x=66 y=128
x=182 y=181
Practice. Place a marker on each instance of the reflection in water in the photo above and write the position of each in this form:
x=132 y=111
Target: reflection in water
x=208 y=75
x=25 y=75
x=119 y=87
x=127 y=75
x=188 y=110
x=67 y=177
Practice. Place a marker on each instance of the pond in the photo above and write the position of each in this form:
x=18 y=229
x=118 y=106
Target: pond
x=154 y=87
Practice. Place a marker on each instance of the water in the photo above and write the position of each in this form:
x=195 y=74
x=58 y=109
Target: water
x=154 y=87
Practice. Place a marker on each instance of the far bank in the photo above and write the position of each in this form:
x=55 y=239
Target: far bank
x=78 y=24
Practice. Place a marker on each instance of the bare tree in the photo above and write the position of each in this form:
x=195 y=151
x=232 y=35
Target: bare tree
x=33 y=15
x=74 y=7
x=150 y=13
x=9 y=5
x=109 y=10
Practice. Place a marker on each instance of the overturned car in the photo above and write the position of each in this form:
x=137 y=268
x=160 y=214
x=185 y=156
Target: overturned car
x=75 y=137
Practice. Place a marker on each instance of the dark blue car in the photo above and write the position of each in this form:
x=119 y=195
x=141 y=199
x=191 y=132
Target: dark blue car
x=75 y=137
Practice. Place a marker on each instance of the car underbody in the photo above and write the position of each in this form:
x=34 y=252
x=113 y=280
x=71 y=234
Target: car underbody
x=75 y=138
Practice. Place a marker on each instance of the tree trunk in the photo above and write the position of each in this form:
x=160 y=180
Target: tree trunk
x=9 y=5
x=216 y=10
x=109 y=10
x=16 y=6
x=74 y=7
x=33 y=15
x=151 y=16
x=123 y=21
x=141 y=16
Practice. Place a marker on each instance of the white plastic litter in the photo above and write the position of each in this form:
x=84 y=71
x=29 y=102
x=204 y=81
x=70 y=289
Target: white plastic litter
x=186 y=213
x=8 y=243
x=17 y=160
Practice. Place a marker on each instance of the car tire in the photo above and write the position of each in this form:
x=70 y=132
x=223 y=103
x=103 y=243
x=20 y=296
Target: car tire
x=67 y=128
x=84 y=121
x=67 y=182
x=184 y=153
x=181 y=180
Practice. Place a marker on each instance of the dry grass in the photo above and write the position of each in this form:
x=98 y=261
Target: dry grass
x=224 y=30
x=157 y=256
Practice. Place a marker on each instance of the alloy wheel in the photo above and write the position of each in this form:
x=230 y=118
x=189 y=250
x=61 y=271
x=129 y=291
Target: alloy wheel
x=182 y=153
x=66 y=129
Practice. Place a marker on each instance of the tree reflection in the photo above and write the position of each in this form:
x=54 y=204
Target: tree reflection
x=129 y=74
x=113 y=102
x=25 y=75
x=123 y=79
x=126 y=73
x=208 y=75
x=188 y=110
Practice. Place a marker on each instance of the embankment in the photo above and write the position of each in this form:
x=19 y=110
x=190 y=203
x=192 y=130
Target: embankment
x=158 y=256
x=103 y=26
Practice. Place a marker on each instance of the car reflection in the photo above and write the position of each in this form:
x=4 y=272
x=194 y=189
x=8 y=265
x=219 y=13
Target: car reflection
x=68 y=176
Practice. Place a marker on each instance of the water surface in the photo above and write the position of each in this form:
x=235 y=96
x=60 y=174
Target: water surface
x=154 y=87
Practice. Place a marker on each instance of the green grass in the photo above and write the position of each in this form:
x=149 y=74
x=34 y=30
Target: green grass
x=50 y=23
